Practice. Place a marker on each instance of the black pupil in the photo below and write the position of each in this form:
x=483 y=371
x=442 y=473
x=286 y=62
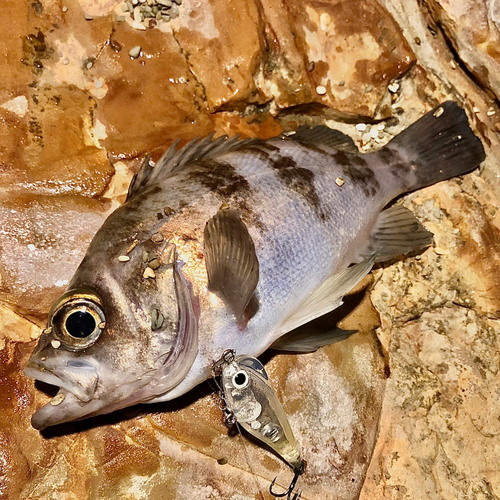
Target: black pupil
x=80 y=324
x=240 y=378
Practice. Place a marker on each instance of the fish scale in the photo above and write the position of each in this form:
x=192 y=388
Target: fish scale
x=257 y=238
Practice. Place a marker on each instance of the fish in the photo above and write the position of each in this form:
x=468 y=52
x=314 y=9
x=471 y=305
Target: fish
x=231 y=243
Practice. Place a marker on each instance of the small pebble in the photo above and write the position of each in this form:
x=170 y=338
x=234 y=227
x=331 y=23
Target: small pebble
x=173 y=12
x=476 y=110
x=490 y=112
x=380 y=126
x=149 y=273
x=47 y=330
x=438 y=112
x=55 y=344
x=65 y=9
x=137 y=15
x=66 y=61
x=453 y=64
x=361 y=127
x=135 y=52
x=123 y=258
x=366 y=137
x=131 y=247
x=35 y=334
x=138 y=26
x=88 y=17
x=369 y=89
x=339 y=181
x=342 y=83
x=324 y=20
x=58 y=399
x=374 y=133
x=157 y=238
x=154 y=264
x=321 y=90
x=394 y=87
x=222 y=461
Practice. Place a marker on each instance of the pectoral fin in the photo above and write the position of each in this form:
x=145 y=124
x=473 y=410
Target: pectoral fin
x=302 y=341
x=397 y=232
x=329 y=295
x=231 y=261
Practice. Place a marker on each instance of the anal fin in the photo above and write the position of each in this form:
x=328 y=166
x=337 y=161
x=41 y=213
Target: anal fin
x=329 y=295
x=396 y=232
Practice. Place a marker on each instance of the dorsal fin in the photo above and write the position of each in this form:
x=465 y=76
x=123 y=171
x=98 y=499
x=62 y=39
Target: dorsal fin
x=323 y=136
x=231 y=261
x=174 y=160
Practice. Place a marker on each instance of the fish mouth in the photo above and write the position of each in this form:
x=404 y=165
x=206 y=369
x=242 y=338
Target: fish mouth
x=77 y=386
x=79 y=396
x=79 y=379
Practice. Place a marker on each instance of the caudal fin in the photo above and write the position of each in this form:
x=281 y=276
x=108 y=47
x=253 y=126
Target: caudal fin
x=439 y=146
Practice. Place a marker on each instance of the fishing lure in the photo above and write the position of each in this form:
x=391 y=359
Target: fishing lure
x=249 y=400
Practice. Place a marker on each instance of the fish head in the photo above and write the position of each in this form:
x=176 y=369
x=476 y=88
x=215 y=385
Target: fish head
x=114 y=339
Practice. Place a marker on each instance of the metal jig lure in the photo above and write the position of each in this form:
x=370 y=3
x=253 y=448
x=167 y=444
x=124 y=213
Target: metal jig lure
x=248 y=399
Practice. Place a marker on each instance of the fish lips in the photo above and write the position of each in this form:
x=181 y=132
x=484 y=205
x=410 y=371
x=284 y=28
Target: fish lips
x=77 y=382
x=79 y=378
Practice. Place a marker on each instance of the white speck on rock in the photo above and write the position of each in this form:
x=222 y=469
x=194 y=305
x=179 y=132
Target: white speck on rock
x=18 y=105
x=321 y=90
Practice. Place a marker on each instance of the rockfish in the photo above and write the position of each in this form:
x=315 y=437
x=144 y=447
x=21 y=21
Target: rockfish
x=230 y=243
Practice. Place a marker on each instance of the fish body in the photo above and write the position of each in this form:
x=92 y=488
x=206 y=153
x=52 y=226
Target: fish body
x=230 y=244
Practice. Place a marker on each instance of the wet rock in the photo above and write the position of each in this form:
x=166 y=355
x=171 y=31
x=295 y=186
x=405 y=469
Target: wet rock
x=71 y=99
x=43 y=239
x=348 y=53
x=473 y=29
x=223 y=60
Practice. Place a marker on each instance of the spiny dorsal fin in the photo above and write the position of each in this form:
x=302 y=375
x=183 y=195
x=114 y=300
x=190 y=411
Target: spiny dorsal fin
x=231 y=261
x=323 y=136
x=174 y=160
x=396 y=232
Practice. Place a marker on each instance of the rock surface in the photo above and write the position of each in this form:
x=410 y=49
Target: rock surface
x=408 y=407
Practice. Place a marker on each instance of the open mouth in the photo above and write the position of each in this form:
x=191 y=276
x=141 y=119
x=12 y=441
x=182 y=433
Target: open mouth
x=79 y=379
x=77 y=386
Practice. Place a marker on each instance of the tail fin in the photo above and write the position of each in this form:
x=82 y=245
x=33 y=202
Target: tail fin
x=439 y=146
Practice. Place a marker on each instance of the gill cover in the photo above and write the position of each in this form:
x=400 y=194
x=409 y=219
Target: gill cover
x=250 y=397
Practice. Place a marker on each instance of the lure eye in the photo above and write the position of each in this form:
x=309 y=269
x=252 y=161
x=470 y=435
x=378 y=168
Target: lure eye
x=240 y=379
x=78 y=321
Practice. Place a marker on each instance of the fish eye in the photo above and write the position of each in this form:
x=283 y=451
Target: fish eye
x=78 y=321
x=240 y=380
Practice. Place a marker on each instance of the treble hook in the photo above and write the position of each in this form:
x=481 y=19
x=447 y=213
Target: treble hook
x=298 y=494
